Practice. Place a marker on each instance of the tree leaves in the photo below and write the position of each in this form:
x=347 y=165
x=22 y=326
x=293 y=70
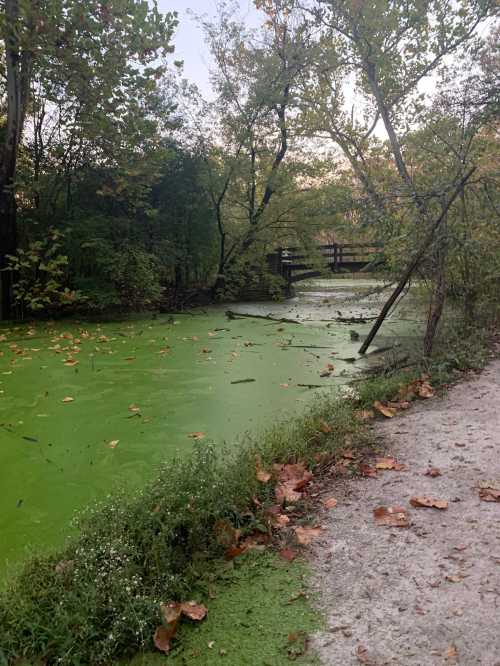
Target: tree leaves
x=172 y=613
x=428 y=503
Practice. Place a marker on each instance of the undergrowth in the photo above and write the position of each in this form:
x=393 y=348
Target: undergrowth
x=98 y=599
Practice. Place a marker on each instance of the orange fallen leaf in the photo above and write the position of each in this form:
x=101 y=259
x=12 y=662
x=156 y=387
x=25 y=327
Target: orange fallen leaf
x=305 y=535
x=389 y=463
x=197 y=435
x=330 y=503
x=194 y=611
x=284 y=385
x=433 y=471
x=285 y=492
x=225 y=534
x=171 y=612
x=288 y=554
x=392 y=516
x=162 y=638
x=68 y=399
x=388 y=412
x=366 y=470
x=113 y=443
x=454 y=579
x=489 y=494
x=70 y=362
x=425 y=390
x=363 y=657
x=280 y=521
x=451 y=654
x=428 y=503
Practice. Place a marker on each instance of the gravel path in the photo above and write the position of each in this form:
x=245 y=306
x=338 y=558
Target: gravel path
x=428 y=594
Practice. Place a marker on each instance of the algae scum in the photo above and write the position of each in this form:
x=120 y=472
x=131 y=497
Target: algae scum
x=87 y=407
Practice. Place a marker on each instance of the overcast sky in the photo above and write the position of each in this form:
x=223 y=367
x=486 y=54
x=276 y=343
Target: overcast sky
x=189 y=44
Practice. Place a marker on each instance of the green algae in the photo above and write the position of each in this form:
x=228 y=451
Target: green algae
x=56 y=457
x=259 y=617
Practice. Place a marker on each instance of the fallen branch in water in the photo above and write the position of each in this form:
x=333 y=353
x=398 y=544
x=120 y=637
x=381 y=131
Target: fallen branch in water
x=244 y=381
x=281 y=320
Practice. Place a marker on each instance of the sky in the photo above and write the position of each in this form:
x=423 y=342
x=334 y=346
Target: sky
x=188 y=40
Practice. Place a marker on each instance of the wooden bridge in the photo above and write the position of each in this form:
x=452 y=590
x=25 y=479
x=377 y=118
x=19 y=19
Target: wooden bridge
x=294 y=266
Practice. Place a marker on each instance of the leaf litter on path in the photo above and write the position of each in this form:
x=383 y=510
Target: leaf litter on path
x=391 y=516
x=428 y=503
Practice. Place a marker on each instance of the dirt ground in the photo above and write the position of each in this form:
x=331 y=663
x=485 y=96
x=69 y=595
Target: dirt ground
x=428 y=594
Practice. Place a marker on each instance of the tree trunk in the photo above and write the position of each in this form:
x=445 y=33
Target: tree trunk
x=414 y=263
x=437 y=298
x=18 y=70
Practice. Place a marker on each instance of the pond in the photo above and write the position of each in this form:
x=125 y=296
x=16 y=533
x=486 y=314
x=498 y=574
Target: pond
x=86 y=407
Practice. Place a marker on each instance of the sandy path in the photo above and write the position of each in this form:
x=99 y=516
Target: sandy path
x=385 y=590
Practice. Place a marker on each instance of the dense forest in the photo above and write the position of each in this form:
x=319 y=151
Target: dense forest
x=121 y=188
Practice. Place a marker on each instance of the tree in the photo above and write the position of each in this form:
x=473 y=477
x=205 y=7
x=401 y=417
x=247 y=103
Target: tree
x=385 y=51
x=96 y=59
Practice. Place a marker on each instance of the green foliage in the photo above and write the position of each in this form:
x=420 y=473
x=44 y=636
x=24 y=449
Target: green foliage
x=41 y=276
x=134 y=274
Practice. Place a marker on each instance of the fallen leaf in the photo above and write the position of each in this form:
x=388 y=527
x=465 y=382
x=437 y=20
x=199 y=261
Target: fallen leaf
x=433 y=471
x=363 y=657
x=284 y=385
x=197 y=435
x=489 y=494
x=366 y=470
x=389 y=463
x=113 y=443
x=288 y=554
x=206 y=350
x=451 y=653
x=330 y=503
x=134 y=409
x=70 y=362
x=171 y=612
x=388 y=412
x=225 y=534
x=325 y=373
x=162 y=638
x=68 y=399
x=305 y=535
x=194 y=611
x=454 y=579
x=428 y=502
x=425 y=390
x=392 y=516
x=285 y=492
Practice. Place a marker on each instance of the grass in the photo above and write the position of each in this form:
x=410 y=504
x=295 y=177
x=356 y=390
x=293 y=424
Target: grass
x=97 y=601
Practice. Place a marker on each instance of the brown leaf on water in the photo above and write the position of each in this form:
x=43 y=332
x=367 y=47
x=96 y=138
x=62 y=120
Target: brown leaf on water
x=428 y=503
x=206 y=350
x=71 y=362
x=134 y=409
x=392 y=516
x=261 y=474
x=388 y=412
x=68 y=399
x=330 y=503
x=197 y=435
x=389 y=463
x=194 y=611
x=113 y=443
x=162 y=638
x=366 y=470
x=287 y=554
x=305 y=535
x=433 y=471
x=325 y=373
x=489 y=494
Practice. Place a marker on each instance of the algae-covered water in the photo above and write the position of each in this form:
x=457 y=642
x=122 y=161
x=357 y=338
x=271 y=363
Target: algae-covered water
x=85 y=407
